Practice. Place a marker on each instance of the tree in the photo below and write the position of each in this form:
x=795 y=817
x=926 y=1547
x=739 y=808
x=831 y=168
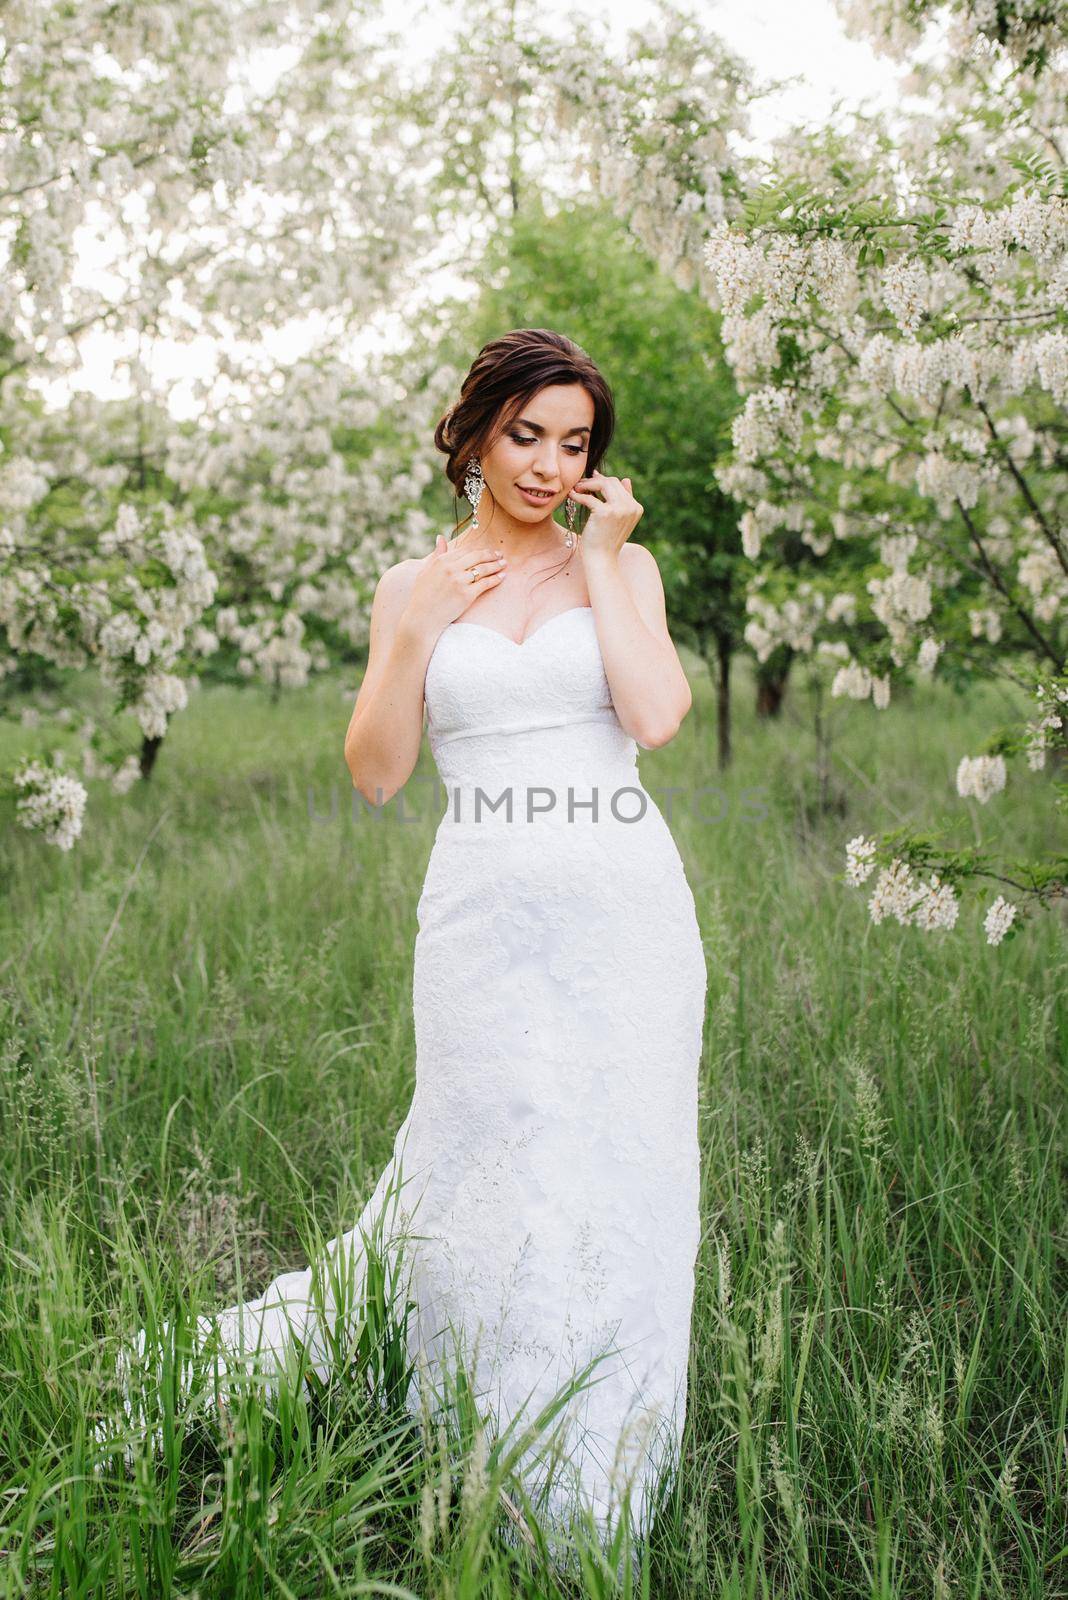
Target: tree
x=238 y=203
x=893 y=306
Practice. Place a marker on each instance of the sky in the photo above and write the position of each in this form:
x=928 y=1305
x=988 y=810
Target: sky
x=801 y=40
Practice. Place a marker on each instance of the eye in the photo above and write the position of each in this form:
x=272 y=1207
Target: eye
x=572 y=449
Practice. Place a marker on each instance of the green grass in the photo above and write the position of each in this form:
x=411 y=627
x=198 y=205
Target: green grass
x=197 y=1085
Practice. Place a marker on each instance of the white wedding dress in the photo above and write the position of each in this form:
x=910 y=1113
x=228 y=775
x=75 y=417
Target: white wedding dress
x=549 y=1154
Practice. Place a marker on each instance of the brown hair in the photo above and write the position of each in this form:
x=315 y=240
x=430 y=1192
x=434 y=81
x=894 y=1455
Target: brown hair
x=506 y=373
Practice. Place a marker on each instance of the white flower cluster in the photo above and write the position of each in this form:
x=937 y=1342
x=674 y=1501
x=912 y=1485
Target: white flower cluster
x=769 y=417
x=1028 y=222
x=897 y=550
x=860 y=859
x=156 y=624
x=162 y=694
x=22 y=484
x=787 y=272
x=762 y=519
x=656 y=158
x=750 y=343
x=973 y=29
x=856 y=683
x=982 y=777
x=985 y=623
x=906 y=289
x=125 y=535
x=53 y=803
x=1052 y=697
x=947 y=481
x=921 y=370
x=116 y=618
x=794 y=623
x=998 y=919
x=271 y=646
x=1040 y=572
x=926 y=365
x=890 y=30
x=928 y=905
x=899 y=601
x=898 y=893
x=843 y=608
x=1041 y=361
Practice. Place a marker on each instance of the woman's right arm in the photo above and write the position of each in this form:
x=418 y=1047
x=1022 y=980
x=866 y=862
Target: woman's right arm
x=386 y=728
x=412 y=602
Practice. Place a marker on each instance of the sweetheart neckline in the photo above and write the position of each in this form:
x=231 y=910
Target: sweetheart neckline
x=519 y=644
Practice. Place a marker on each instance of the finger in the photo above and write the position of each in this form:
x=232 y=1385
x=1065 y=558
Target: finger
x=468 y=558
x=490 y=564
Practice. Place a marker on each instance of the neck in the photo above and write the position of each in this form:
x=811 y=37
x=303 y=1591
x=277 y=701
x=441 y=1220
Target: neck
x=519 y=541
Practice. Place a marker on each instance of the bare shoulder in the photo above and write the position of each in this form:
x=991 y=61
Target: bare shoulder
x=639 y=565
x=392 y=593
x=395 y=582
x=641 y=574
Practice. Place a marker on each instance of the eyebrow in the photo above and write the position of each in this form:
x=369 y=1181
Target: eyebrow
x=525 y=422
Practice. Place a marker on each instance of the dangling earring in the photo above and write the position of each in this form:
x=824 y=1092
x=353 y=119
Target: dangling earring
x=474 y=483
x=570 y=507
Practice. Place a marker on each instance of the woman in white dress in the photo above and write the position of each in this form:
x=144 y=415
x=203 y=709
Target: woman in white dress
x=548 y=1163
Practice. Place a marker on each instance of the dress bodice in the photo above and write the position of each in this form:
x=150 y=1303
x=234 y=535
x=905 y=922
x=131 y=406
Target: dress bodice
x=540 y=712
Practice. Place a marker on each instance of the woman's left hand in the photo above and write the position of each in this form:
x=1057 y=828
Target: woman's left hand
x=614 y=518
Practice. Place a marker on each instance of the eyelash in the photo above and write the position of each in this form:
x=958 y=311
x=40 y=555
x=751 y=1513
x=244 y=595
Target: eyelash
x=575 y=449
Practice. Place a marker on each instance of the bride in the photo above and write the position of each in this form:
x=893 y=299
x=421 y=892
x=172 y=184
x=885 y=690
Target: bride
x=549 y=1155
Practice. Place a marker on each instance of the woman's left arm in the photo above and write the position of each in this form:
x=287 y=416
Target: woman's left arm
x=649 y=688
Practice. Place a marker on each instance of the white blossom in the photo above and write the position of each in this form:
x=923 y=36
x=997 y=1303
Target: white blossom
x=860 y=862
x=985 y=623
x=928 y=653
x=980 y=776
x=53 y=803
x=998 y=919
x=853 y=681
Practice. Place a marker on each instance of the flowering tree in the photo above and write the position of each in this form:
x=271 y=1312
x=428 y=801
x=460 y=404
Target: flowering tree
x=239 y=207
x=239 y=199
x=893 y=310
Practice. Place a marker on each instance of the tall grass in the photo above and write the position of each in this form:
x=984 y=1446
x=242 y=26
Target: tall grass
x=208 y=1048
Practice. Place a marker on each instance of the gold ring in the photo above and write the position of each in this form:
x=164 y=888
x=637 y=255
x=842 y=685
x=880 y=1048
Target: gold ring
x=474 y=574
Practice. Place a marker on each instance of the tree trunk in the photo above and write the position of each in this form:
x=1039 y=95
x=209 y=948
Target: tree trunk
x=149 y=752
x=772 y=676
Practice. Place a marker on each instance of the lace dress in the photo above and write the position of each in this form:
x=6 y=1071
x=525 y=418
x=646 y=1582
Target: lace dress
x=549 y=1157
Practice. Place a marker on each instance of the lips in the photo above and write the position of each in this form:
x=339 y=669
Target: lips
x=539 y=494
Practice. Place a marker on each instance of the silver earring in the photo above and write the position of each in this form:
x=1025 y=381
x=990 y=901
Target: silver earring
x=474 y=483
x=570 y=507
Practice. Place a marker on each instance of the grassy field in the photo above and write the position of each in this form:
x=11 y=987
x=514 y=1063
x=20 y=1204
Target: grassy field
x=208 y=1047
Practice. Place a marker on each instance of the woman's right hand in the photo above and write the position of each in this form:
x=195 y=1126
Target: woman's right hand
x=445 y=586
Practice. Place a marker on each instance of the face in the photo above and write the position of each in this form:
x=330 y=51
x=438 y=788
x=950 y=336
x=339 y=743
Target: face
x=547 y=447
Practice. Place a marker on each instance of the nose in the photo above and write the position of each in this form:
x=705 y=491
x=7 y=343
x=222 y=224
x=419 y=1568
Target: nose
x=546 y=464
